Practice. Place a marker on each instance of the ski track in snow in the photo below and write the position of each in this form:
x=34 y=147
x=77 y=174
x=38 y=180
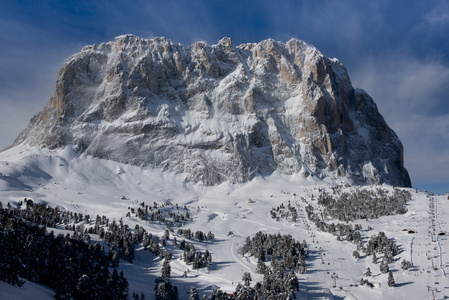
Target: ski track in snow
x=237 y=259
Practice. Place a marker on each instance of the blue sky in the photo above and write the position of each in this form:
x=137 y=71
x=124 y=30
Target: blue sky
x=398 y=51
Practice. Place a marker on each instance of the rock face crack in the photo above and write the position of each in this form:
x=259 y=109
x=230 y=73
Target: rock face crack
x=218 y=113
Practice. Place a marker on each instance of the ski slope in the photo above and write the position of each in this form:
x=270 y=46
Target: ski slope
x=92 y=186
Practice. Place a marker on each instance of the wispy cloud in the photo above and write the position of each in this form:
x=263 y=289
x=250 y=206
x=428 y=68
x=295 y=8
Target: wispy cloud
x=439 y=15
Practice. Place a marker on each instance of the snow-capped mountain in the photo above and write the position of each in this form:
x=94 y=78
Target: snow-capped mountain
x=219 y=113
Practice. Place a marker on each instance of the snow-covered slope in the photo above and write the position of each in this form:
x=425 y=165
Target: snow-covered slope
x=88 y=185
x=219 y=113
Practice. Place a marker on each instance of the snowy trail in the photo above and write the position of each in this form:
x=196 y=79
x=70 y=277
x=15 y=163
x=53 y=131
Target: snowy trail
x=239 y=260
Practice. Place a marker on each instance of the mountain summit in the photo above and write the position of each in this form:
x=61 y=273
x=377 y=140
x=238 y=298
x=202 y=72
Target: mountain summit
x=219 y=113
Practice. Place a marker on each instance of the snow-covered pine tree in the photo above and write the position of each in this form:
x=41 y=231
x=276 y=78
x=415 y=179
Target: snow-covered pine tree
x=260 y=267
x=391 y=282
x=405 y=264
x=166 y=269
x=301 y=265
x=193 y=293
x=362 y=281
x=246 y=278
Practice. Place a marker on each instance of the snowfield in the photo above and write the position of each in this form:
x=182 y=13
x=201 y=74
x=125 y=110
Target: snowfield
x=92 y=186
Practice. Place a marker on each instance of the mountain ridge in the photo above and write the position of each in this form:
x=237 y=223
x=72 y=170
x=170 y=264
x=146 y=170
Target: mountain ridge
x=219 y=113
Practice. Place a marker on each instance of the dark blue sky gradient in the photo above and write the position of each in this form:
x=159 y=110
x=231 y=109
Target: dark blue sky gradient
x=398 y=51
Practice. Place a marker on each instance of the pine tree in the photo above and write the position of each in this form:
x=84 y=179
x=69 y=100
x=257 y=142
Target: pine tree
x=246 y=278
x=362 y=281
x=114 y=258
x=123 y=287
x=166 y=269
x=193 y=293
x=243 y=292
x=405 y=265
x=160 y=289
x=84 y=287
x=391 y=282
x=301 y=265
x=260 y=267
x=292 y=281
x=208 y=258
x=197 y=261
x=165 y=290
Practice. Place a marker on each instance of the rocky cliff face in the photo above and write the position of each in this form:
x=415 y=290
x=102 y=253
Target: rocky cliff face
x=218 y=113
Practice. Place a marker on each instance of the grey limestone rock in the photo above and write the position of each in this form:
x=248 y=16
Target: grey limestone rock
x=219 y=113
